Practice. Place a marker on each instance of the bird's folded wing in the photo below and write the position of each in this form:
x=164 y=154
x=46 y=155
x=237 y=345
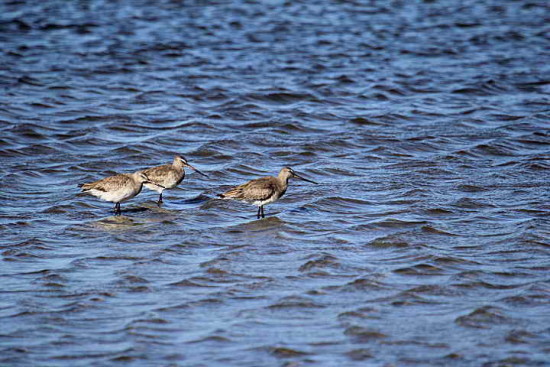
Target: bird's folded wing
x=157 y=174
x=112 y=183
x=260 y=189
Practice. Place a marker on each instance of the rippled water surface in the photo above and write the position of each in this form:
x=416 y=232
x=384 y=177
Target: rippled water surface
x=425 y=243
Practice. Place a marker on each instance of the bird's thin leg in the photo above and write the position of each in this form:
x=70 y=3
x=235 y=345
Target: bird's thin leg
x=259 y=212
x=160 y=199
x=263 y=214
x=117 y=209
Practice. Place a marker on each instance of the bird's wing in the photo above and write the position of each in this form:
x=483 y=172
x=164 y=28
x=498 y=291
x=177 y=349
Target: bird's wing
x=111 y=183
x=159 y=173
x=255 y=190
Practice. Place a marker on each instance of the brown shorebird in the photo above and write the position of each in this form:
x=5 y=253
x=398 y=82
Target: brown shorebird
x=168 y=176
x=118 y=188
x=263 y=191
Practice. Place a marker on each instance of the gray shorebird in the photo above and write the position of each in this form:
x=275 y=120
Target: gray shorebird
x=167 y=176
x=263 y=191
x=118 y=188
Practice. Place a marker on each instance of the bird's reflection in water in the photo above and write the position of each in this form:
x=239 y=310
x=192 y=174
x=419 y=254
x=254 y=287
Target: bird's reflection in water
x=130 y=218
x=265 y=224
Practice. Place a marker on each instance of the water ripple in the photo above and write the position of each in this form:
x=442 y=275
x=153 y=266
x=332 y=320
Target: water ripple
x=425 y=124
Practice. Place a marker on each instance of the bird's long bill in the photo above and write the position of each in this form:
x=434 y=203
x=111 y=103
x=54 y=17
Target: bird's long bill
x=154 y=183
x=304 y=179
x=196 y=170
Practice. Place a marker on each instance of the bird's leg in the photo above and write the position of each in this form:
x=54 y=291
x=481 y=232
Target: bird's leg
x=263 y=214
x=160 y=199
x=117 y=209
x=259 y=212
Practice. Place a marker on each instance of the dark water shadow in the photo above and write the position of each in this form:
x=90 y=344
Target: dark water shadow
x=260 y=225
x=135 y=210
x=127 y=220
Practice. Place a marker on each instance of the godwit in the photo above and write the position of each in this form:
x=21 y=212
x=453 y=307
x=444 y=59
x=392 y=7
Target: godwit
x=263 y=191
x=118 y=188
x=167 y=176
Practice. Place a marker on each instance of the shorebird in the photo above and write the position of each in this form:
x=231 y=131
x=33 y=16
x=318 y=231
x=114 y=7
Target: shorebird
x=168 y=176
x=118 y=188
x=263 y=191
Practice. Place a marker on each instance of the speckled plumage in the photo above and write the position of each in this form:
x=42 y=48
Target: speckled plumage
x=116 y=189
x=167 y=175
x=263 y=191
x=258 y=190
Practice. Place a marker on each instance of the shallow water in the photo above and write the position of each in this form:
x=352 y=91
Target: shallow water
x=425 y=243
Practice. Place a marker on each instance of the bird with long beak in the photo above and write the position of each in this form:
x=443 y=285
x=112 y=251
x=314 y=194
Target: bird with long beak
x=263 y=191
x=118 y=188
x=168 y=176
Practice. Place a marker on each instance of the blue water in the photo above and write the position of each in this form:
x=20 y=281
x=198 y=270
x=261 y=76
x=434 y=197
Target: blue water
x=425 y=243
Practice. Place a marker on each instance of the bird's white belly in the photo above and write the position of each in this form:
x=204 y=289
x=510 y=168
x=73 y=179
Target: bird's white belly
x=265 y=202
x=114 y=196
x=155 y=188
